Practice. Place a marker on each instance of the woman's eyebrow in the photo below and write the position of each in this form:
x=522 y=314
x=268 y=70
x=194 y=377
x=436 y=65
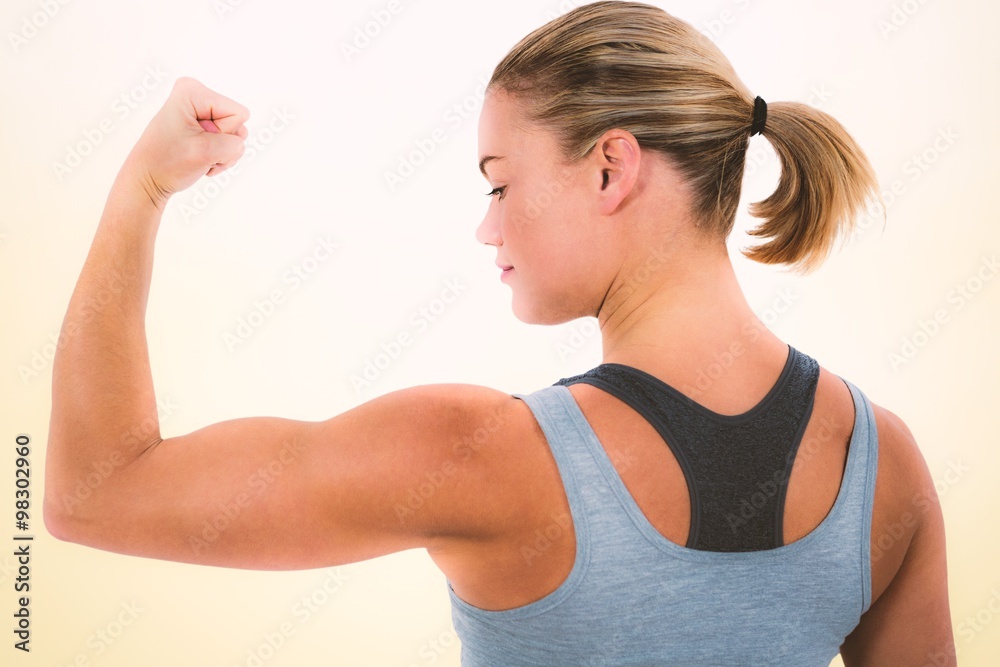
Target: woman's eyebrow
x=485 y=160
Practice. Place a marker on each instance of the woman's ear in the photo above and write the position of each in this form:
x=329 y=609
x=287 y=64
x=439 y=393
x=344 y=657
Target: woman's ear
x=617 y=156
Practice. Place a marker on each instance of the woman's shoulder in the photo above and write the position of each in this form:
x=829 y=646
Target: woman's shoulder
x=908 y=554
x=489 y=435
x=906 y=501
x=901 y=468
x=904 y=483
x=453 y=409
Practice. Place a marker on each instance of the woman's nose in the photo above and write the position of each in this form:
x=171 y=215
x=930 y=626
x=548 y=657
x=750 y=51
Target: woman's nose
x=488 y=232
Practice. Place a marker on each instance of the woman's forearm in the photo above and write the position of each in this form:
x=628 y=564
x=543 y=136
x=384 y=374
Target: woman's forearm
x=102 y=387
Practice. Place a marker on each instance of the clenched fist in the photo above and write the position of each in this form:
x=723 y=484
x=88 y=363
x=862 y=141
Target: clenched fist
x=197 y=132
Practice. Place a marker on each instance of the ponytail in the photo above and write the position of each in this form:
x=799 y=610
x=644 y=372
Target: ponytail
x=825 y=181
x=630 y=65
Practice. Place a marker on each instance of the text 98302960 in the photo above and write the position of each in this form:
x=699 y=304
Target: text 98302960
x=22 y=541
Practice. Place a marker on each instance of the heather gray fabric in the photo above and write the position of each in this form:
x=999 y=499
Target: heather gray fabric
x=635 y=598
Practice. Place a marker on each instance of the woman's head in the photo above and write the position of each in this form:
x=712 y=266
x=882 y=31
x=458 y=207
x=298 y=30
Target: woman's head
x=681 y=114
x=575 y=229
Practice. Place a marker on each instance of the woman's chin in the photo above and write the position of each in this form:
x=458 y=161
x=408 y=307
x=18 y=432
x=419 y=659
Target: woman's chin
x=525 y=310
x=533 y=312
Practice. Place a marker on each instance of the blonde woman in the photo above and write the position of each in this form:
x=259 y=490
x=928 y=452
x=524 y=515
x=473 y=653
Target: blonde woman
x=708 y=495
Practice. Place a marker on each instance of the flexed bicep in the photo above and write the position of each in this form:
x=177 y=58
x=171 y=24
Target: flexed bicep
x=271 y=493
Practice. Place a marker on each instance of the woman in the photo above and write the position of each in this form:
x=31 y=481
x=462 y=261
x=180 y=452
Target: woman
x=708 y=495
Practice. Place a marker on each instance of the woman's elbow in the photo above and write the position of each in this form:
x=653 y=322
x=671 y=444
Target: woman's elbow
x=68 y=509
x=58 y=522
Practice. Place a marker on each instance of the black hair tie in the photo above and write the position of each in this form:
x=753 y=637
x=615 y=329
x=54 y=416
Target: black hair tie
x=759 y=116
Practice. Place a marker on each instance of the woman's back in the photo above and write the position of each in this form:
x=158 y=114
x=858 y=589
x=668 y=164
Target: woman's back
x=663 y=603
x=540 y=555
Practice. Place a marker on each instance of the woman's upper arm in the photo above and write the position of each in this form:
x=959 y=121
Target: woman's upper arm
x=394 y=473
x=910 y=622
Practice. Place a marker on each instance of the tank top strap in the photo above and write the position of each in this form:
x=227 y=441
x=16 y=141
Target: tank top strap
x=568 y=433
x=596 y=495
x=588 y=475
x=858 y=486
x=600 y=504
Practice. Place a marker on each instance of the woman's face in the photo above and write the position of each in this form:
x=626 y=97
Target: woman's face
x=559 y=255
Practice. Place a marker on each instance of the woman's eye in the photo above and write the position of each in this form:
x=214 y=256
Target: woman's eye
x=496 y=191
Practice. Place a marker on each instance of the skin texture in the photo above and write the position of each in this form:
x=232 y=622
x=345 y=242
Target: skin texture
x=610 y=236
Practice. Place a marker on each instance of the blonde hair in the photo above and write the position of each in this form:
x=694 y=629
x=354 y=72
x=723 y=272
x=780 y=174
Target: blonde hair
x=633 y=66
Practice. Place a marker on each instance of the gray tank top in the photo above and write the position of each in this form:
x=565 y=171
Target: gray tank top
x=635 y=598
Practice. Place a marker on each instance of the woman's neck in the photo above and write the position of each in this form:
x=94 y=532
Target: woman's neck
x=682 y=317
